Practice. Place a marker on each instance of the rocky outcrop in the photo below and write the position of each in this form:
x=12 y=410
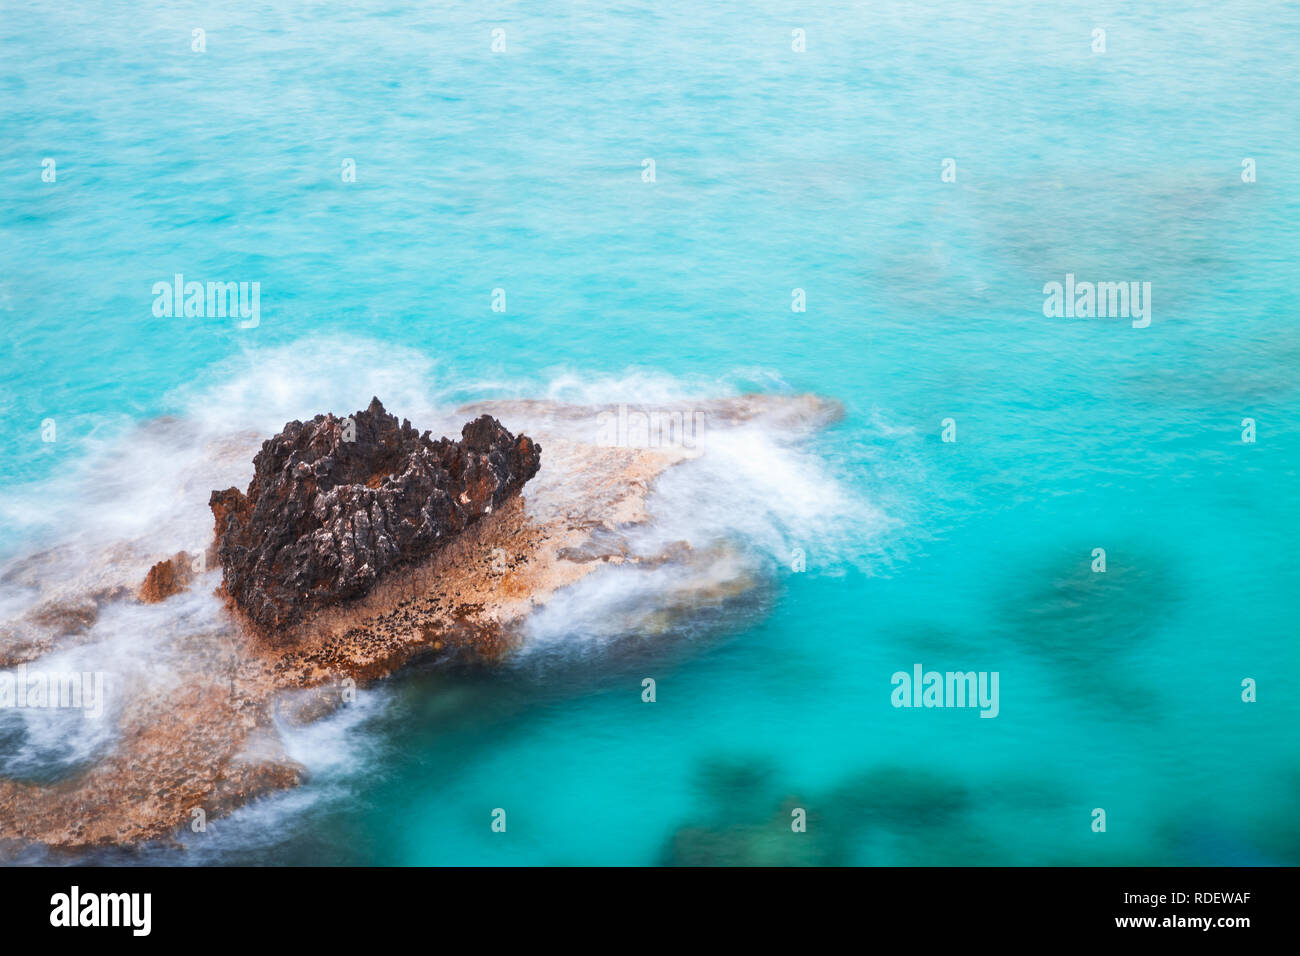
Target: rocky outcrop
x=198 y=719
x=335 y=504
x=167 y=577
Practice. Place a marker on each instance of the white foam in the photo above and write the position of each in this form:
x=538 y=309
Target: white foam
x=142 y=488
x=752 y=494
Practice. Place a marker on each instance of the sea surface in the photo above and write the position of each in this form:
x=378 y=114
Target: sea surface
x=774 y=170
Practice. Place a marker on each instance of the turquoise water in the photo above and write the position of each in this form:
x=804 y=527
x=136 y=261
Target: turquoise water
x=522 y=170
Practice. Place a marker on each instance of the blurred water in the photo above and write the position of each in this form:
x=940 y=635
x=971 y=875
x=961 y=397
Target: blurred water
x=522 y=170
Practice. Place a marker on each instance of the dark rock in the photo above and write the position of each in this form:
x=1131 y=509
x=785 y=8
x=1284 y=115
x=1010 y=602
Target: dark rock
x=325 y=517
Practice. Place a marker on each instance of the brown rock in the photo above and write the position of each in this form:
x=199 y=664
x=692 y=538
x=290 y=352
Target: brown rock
x=166 y=578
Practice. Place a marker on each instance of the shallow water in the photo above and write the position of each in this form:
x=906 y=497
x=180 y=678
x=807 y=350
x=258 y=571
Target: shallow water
x=522 y=170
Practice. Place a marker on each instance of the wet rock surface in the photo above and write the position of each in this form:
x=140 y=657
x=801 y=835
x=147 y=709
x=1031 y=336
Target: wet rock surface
x=167 y=577
x=334 y=504
x=200 y=707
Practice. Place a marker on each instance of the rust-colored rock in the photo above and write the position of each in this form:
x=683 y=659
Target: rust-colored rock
x=166 y=578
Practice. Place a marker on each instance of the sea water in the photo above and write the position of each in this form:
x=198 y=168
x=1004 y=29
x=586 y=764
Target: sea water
x=870 y=210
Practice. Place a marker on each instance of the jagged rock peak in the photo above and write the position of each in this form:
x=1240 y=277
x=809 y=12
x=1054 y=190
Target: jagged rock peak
x=335 y=503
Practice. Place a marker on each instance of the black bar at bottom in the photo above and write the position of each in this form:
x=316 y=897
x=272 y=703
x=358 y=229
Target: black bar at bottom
x=301 y=906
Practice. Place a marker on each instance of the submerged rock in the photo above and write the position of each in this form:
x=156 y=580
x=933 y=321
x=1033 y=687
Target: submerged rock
x=336 y=503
